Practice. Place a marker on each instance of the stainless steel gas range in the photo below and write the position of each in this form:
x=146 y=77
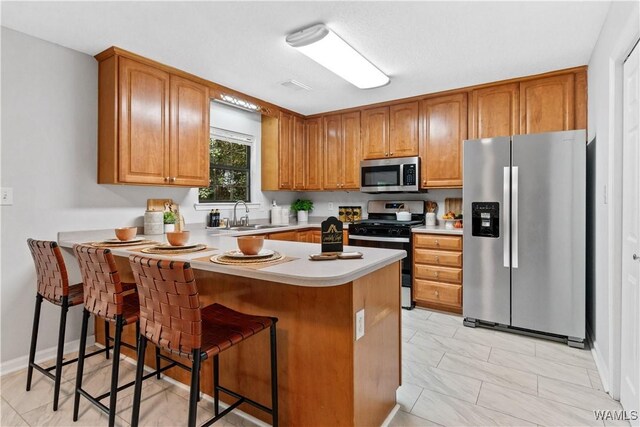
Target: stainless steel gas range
x=383 y=230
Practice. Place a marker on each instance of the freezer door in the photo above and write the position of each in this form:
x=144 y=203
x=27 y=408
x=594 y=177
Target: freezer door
x=548 y=239
x=486 y=289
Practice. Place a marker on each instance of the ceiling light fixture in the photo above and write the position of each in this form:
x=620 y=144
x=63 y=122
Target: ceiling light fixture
x=329 y=50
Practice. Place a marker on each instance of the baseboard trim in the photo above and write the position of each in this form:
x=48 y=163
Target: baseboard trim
x=603 y=370
x=42 y=355
x=392 y=414
x=204 y=396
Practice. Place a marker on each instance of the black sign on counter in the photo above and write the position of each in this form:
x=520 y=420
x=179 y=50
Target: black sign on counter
x=331 y=237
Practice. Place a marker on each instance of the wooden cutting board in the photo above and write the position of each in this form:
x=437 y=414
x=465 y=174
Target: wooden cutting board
x=453 y=204
x=158 y=204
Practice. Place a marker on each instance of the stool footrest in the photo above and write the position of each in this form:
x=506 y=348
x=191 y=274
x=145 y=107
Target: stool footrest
x=93 y=400
x=225 y=412
x=245 y=399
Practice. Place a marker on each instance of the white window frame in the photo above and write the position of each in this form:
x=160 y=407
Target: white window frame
x=254 y=177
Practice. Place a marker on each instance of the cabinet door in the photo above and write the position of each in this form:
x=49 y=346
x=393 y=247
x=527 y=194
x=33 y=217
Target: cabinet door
x=444 y=121
x=403 y=129
x=291 y=236
x=285 y=152
x=351 y=153
x=375 y=133
x=299 y=155
x=315 y=155
x=315 y=236
x=144 y=124
x=495 y=111
x=304 y=236
x=332 y=151
x=189 y=143
x=547 y=104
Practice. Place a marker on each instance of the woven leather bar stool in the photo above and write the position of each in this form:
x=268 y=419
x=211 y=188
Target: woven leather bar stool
x=108 y=298
x=171 y=318
x=53 y=286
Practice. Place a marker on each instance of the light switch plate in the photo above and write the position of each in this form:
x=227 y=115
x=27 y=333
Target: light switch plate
x=6 y=196
x=359 y=324
x=330 y=206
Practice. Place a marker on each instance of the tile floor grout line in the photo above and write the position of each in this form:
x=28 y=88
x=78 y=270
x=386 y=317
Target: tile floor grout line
x=441 y=357
x=14 y=410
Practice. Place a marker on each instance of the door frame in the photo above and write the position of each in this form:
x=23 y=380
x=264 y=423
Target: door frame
x=619 y=54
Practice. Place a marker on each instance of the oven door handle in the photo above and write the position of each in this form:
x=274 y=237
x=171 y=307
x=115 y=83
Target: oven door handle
x=380 y=239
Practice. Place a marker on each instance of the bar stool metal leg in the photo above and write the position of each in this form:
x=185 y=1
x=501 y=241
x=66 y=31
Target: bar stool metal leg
x=107 y=342
x=216 y=384
x=81 y=353
x=193 y=394
x=274 y=377
x=34 y=340
x=137 y=391
x=113 y=397
x=63 y=325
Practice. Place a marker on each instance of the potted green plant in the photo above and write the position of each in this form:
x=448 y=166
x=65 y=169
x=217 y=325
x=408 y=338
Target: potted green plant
x=169 y=221
x=302 y=207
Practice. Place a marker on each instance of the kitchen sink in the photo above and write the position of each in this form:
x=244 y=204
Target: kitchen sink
x=255 y=227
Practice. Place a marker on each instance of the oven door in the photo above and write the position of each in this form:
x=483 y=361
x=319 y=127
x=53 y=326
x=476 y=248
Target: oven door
x=400 y=243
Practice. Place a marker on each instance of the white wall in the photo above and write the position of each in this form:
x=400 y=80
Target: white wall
x=49 y=157
x=620 y=31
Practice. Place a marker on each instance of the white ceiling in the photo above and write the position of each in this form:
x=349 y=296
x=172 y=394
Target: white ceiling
x=423 y=46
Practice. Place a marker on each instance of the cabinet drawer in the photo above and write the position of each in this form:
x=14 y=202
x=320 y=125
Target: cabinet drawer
x=428 y=256
x=443 y=293
x=433 y=272
x=433 y=241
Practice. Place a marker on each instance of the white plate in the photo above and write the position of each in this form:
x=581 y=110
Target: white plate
x=237 y=254
x=118 y=241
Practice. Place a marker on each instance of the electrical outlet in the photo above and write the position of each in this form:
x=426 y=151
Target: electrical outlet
x=6 y=196
x=359 y=324
x=330 y=206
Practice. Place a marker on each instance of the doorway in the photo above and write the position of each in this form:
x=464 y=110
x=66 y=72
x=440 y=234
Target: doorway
x=630 y=307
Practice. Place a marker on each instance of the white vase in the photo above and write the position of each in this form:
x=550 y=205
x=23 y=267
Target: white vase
x=168 y=228
x=303 y=216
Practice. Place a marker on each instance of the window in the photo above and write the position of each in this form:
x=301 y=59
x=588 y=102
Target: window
x=229 y=167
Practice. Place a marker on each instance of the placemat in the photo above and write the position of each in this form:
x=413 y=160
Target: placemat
x=152 y=251
x=254 y=266
x=104 y=244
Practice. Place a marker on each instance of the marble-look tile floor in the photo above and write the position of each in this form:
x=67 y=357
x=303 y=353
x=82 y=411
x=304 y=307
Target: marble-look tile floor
x=458 y=376
x=452 y=376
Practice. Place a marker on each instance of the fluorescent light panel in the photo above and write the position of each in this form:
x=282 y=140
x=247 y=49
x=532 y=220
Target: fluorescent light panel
x=329 y=50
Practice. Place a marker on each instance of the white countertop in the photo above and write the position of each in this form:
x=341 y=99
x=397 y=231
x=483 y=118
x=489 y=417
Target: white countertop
x=300 y=272
x=436 y=229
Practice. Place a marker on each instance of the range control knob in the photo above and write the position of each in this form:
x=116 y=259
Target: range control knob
x=361 y=230
x=394 y=232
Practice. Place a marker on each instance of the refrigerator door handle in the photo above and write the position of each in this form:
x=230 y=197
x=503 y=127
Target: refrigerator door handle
x=506 y=200
x=514 y=217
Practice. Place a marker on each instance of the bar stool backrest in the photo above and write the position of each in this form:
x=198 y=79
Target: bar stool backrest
x=170 y=314
x=103 y=292
x=51 y=272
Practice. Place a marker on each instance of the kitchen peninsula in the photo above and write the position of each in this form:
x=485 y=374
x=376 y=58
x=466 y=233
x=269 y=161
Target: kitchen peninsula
x=326 y=376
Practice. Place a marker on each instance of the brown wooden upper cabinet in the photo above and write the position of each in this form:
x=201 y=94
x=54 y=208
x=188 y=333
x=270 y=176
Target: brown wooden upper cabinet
x=495 y=111
x=403 y=129
x=285 y=151
x=444 y=127
x=314 y=158
x=341 y=151
x=390 y=131
x=153 y=127
x=300 y=153
x=547 y=104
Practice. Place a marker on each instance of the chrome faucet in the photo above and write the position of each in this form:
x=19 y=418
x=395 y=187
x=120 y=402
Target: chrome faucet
x=245 y=219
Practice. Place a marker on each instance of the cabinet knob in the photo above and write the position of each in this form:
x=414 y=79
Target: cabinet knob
x=166 y=179
x=173 y=179
x=437 y=258
x=391 y=154
x=437 y=293
x=424 y=182
x=437 y=242
x=386 y=154
x=435 y=274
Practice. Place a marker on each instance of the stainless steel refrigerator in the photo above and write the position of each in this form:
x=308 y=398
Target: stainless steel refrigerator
x=524 y=233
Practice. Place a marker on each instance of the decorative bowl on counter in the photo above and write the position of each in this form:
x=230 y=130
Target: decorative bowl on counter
x=126 y=233
x=178 y=238
x=250 y=245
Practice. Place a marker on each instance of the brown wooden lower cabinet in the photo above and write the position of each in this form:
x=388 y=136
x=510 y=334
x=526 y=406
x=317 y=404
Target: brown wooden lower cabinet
x=284 y=235
x=437 y=272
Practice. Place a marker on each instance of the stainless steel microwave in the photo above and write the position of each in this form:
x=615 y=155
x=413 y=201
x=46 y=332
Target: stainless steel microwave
x=390 y=175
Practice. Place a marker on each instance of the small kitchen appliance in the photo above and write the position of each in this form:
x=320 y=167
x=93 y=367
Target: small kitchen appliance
x=401 y=174
x=383 y=230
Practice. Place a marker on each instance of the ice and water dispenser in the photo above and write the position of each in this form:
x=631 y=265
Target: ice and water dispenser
x=485 y=219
